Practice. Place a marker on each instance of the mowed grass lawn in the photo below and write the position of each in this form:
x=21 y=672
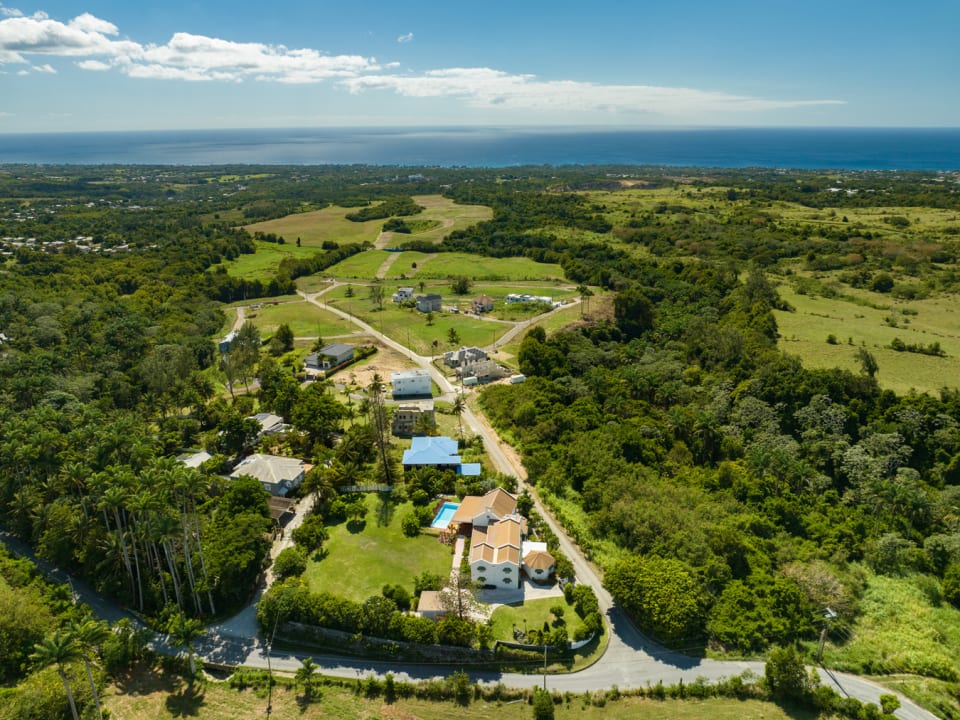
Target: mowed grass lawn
x=536 y=612
x=305 y=319
x=160 y=695
x=804 y=333
x=358 y=564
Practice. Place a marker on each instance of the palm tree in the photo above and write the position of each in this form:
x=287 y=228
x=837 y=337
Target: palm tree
x=89 y=635
x=459 y=405
x=305 y=676
x=183 y=631
x=59 y=649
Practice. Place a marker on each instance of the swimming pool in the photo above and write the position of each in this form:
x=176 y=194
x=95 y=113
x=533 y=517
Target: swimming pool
x=444 y=515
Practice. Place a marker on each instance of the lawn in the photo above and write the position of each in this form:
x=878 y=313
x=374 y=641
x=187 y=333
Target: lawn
x=856 y=324
x=164 y=696
x=363 y=265
x=531 y=615
x=358 y=564
x=305 y=319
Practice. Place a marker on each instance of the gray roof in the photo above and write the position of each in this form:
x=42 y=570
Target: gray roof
x=336 y=349
x=269 y=468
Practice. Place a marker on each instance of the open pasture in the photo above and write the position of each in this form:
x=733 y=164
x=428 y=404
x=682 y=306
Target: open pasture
x=317 y=226
x=305 y=320
x=855 y=324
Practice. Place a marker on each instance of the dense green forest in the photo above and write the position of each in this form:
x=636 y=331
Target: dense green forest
x=730 y=493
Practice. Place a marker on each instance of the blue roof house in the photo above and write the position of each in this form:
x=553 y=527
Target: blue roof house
x=441 y=453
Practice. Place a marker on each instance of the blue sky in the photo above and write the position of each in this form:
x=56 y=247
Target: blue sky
x=111 y=65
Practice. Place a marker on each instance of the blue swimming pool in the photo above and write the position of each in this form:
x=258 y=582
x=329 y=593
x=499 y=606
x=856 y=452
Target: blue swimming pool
x=444 y=515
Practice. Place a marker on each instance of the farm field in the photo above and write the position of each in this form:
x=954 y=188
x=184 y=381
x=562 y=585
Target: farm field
x=359 y=563
x=804 y=333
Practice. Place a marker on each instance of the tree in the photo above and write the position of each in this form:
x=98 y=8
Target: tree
x=318 y=413
x=868 y=363
x=282 y=340
x=786 y=675
x=289 y=563
x=375 y=294
x=380 y=422
x=59 y=649
x=632 y=312
x=90 y=635
x=542 y=705
x=245 y=351
x=453 y=337
x=183 y=631
x=460 y=285
x=585 y=295
x=306 y=676
x=459 y=405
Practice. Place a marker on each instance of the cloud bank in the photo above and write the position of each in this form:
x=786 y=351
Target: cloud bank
x=95 y=45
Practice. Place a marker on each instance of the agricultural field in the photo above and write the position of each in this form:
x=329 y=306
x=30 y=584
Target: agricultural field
x=358 y=563
x=363 y=265
x=863 y=319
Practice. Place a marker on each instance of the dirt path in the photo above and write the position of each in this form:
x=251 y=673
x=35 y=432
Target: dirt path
x=241 y=317
x=385 y=265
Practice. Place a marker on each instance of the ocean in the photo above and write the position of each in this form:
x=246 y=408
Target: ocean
x=800 y=148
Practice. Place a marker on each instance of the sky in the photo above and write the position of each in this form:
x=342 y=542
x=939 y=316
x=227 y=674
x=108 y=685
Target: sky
x=70 y=66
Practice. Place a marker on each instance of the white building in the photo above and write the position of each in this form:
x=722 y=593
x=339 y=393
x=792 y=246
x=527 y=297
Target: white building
x=411 y=383
x=402 y=294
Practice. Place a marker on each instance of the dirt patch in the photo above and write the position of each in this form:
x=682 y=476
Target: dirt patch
x=386 y=361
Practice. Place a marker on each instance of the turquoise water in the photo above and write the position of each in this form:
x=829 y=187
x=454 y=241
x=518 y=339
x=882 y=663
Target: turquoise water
x=443 y=517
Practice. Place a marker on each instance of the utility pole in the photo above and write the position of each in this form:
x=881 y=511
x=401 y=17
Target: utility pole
x=829 y=615
x=270 y=669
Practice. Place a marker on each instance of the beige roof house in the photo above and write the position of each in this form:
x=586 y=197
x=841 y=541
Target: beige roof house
x=495 y=553
x=429 y=605
x=486 y=509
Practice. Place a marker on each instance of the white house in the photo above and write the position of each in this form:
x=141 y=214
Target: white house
x=482 y=510
x=495 y=553
x=402 y=294
x=329 y=356
x=538 y=564
x=409 y=383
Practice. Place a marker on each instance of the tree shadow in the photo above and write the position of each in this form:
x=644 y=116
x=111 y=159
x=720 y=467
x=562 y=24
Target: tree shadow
x=356 y=526
x=304 y=699
x=187 y=701
x=385 y=509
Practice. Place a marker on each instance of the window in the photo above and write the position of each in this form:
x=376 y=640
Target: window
x=507 y=580
x=508 y=569
x=481 y=579
x=481 y=568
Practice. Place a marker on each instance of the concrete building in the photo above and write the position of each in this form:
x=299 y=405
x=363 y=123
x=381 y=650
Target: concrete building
x=329 y=357
x=457 y=358
x=409 y=415
x=431 y=302
x=402 y=294
x=411 y=383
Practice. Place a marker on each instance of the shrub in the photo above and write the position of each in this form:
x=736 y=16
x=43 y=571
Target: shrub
x=289 y=563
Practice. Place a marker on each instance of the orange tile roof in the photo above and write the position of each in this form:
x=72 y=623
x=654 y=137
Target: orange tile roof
x=539 y=560
x=498 y=544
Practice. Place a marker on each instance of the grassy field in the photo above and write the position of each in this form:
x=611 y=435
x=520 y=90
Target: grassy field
x=904 y=629
x=163 y=696
x=359 y=564
x=477 y=267
x=363 y=265
x=535 y=612
x=305 y=319
x=856 y=324
x=316 y=227
x=262 y=264
x=410 y=328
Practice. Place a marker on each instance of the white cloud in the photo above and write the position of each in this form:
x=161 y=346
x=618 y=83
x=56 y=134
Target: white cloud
x=486 y=88
x=98 y=47
x=95 y=65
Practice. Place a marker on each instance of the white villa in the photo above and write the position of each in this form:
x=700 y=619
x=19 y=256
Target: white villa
x=499 y=550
